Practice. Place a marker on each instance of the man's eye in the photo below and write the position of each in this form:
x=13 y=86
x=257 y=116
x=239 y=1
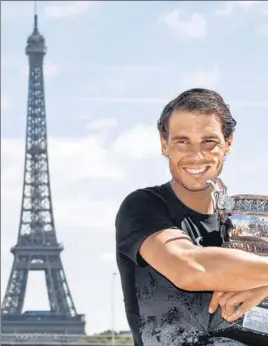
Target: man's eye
x=210 y=142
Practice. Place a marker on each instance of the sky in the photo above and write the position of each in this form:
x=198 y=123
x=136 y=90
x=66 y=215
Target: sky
x=110 y=69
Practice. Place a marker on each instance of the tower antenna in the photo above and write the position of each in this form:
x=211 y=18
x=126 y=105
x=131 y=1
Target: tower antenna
x=35 y=17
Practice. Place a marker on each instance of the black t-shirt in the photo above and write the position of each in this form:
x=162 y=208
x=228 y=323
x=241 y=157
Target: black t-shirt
x=158 y=313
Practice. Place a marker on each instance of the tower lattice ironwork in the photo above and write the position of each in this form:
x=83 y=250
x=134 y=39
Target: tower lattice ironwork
x=37 y=246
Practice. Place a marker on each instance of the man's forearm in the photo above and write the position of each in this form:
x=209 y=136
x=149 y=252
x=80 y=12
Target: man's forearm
x=219 y=269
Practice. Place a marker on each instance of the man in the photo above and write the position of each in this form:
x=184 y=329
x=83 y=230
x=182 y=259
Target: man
x=169 y=239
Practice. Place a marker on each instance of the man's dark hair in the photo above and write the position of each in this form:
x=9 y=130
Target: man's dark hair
x=199 y=101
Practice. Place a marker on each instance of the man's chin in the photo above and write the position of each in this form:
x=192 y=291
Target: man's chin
x=197 y=187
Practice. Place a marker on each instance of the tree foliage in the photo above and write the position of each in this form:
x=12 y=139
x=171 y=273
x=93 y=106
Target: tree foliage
x=105 y=338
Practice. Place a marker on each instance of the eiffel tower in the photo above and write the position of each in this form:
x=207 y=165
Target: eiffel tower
x=37 y=246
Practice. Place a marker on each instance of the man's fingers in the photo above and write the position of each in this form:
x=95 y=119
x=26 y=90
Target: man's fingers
x=214 y=303
x=226 y=297
x=247 y=302
x=240 y=311
x=229 y=302
x=236 y=304
x=227 y=310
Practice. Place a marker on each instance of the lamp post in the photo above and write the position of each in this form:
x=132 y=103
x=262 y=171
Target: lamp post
x=112 y=308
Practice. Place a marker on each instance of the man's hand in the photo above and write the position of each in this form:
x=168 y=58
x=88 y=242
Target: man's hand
x=236 y=304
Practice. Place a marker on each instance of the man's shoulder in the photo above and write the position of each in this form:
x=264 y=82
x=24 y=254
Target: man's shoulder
x=143 y=212
x=150 y=194
x=148 y=201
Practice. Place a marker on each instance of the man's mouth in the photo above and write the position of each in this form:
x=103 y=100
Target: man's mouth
x=196 y=170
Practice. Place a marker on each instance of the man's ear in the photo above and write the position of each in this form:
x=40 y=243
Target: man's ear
x=229 y=143
x=164 y=146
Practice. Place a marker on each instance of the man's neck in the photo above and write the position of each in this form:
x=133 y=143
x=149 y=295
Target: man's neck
x=200 y=201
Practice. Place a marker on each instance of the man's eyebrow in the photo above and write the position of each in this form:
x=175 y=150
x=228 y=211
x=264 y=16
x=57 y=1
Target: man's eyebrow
x=179 y=137
x=212 y=136
x=183 y=137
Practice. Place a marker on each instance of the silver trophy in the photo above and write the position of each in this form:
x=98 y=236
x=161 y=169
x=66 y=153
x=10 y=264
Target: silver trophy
x=247 y=220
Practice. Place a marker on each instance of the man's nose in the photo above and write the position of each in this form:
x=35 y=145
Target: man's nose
x=195 y=150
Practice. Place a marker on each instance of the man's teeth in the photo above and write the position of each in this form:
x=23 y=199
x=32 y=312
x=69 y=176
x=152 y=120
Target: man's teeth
x=195 y=171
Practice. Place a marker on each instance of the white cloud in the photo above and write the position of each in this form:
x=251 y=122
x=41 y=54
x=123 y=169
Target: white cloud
x=139 y=142
x=102 y=124
x=107 y=257
x=123 y=99
x=201 y=78
x=85 y=213
x=68 y=9
x=89 y=160
x=194 y=28
x=89 y=157
x=228 y=7
x=51 y=69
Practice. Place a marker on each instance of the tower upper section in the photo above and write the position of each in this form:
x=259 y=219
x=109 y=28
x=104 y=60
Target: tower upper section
x=36 y=47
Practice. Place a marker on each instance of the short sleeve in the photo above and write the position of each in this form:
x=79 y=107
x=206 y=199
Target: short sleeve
x=141 y=214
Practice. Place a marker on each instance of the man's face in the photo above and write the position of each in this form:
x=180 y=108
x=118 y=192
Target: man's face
x=195 y=147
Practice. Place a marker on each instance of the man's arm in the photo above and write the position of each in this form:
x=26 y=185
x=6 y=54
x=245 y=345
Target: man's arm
x=194 y=268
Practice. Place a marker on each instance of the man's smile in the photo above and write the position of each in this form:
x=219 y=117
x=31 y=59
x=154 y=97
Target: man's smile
x=197 y=170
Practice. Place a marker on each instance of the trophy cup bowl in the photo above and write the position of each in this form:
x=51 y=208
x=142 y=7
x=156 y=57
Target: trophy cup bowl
x=249 y=217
